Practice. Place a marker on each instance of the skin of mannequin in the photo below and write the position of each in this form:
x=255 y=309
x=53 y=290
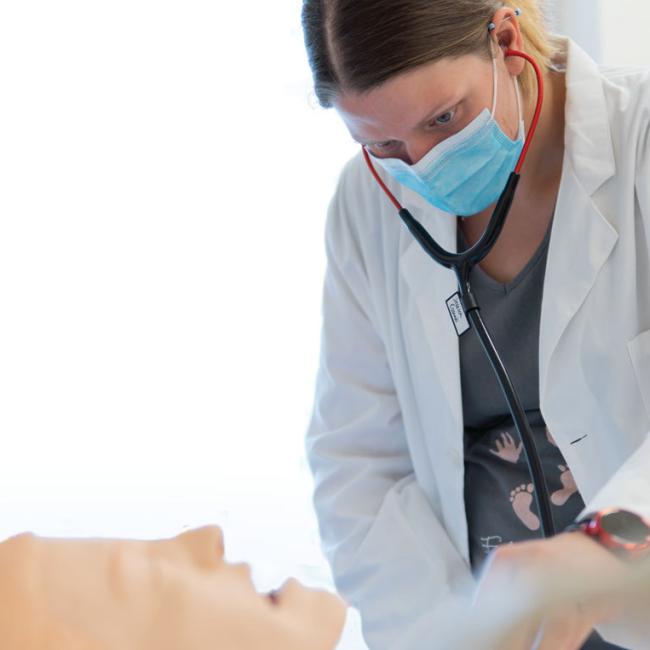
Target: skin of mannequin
x=110 y=594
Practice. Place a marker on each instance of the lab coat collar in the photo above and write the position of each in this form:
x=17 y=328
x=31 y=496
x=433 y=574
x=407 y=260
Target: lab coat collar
x=589 y=162
x=587 y=136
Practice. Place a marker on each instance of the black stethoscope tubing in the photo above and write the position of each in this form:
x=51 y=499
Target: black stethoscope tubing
x=462 y=263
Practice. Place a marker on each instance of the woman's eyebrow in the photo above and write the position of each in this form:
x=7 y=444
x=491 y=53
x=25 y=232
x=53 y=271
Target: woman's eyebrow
x=365 y=143
x=440 y=108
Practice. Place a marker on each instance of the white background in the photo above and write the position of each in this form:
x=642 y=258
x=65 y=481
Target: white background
x=164 y=176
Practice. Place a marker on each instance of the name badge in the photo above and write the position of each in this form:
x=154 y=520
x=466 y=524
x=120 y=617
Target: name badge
x=457 y=313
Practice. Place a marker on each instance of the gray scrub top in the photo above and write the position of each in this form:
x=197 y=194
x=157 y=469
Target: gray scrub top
x=499 y=505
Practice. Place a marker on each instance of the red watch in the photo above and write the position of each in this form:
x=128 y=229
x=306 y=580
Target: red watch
x=624 y=533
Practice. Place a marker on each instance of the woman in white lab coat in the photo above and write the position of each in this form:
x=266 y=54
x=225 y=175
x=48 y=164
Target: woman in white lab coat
x=388 y=442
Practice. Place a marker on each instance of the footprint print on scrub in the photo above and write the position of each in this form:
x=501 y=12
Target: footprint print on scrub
x=521 y=499
x=569 y=487
x=550 y=438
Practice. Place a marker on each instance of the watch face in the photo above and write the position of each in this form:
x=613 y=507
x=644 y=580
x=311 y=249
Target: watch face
x=625 y=527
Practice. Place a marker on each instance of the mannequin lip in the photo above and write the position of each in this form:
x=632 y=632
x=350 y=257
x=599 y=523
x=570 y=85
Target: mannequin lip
x=272 y=596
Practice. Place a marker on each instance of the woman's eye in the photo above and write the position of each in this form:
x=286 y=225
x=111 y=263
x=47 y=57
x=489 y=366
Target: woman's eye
x=384 y=148
x=443 y=119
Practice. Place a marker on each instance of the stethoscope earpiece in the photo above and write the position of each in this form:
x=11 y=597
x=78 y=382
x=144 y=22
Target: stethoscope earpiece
x=492 y=26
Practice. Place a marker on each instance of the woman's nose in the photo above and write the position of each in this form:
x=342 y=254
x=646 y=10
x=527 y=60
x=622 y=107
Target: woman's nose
x=417 y=149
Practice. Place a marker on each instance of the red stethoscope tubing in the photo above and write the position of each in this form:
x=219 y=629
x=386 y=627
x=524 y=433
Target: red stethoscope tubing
x=538 y=108
x=529 y=137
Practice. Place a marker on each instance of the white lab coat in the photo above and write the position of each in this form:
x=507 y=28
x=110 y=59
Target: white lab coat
x=385 y=443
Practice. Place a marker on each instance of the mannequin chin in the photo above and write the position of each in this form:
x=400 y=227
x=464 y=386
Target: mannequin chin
x=114 y=594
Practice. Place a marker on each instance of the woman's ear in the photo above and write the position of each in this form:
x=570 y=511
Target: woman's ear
x=506 y=34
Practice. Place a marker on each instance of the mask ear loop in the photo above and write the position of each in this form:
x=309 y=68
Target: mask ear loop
x=494 y=86
x=492 y=27
x=520 y=110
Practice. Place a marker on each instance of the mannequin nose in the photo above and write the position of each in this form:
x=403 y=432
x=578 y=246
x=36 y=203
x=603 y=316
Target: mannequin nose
x=206 y=545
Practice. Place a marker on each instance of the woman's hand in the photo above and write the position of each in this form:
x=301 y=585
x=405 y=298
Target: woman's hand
x=550 y=594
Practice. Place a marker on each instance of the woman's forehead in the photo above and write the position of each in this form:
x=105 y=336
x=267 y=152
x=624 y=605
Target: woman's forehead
x=411 y=97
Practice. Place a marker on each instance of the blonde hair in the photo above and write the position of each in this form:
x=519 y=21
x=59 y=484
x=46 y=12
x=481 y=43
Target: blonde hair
x=356 y=45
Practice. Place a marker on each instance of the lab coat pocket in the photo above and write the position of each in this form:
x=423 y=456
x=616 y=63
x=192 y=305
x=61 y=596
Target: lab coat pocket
x=639 y=349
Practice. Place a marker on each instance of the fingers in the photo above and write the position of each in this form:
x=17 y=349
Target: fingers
x=560 y=631
x=523 y=583
x=564 y=632
x=522 y=636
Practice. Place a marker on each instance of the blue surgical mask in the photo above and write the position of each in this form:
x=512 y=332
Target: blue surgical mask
x=467 y=172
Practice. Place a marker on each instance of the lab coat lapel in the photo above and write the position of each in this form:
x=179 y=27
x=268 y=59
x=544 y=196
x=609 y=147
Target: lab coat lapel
x=582 y=238
x=581 y=241
x=430 y=286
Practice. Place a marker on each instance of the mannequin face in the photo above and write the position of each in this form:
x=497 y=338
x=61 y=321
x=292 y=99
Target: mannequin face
x=154 y=594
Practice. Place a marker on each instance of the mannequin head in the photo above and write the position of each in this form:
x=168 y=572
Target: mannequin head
x=179 y=592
